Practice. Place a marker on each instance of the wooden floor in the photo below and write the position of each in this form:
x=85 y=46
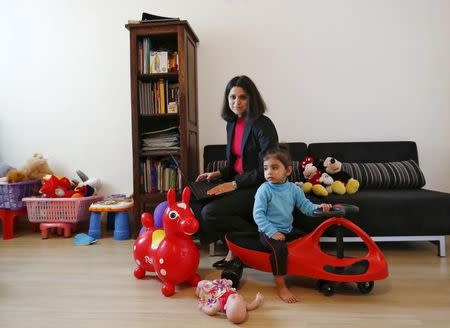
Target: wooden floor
x=51 y=283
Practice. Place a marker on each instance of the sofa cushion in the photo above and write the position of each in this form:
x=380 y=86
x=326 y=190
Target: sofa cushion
x=215 y=166
x=213 y=153
x=366 y=151
x=391 y=212
x=389 y=175
x=295 y=176
x=296 y=171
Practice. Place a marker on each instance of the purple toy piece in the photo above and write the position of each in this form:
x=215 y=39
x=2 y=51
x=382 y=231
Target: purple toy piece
x=158 y=214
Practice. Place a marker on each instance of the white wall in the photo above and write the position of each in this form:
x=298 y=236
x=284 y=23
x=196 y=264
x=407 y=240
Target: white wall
x=328 y=70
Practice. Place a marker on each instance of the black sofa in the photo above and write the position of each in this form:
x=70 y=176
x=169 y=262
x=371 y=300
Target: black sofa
x=385 y=214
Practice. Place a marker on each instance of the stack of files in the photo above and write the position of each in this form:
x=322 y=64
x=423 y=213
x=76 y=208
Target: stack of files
x=165 y=139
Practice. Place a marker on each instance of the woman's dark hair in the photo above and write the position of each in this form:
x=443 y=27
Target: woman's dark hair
x=256 y=106
x=280 y=153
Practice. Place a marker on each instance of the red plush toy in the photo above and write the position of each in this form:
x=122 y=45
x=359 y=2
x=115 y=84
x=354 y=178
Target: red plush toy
x=310 y=171
x=55 y=187
x=312 y=178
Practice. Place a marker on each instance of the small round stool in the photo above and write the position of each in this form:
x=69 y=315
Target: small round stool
x=116 y=210
x=60 y=227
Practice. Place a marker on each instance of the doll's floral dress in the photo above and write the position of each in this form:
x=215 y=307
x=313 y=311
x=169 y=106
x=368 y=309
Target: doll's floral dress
x=210 y=292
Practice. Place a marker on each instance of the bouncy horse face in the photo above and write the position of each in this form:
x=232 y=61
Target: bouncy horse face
x=178 y=218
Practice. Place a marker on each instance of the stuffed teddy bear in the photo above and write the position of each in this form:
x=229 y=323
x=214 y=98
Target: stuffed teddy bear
x=218 y=295
x=311 y=178
x=343 y=182
x=34 y=169
x=4 y=169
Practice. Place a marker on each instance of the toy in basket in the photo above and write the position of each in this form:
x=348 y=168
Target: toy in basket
x=62 y=213
x=11 y=194
x=11 y=205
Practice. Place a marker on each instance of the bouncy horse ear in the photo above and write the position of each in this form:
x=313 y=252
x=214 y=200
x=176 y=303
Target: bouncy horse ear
x=186 y=195
x=171 y=197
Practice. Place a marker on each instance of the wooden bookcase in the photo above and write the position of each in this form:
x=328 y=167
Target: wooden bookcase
x=146 y=116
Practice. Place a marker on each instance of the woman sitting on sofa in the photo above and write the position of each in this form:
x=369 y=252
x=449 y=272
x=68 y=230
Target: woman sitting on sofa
x=249 y=135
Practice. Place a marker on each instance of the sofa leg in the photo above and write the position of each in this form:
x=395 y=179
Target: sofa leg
x=212 y=249
x=441 y=246
x=440 y=243
x=215 y=249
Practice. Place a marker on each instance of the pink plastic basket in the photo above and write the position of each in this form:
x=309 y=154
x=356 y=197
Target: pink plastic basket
x=71 y=210
x=11 y=194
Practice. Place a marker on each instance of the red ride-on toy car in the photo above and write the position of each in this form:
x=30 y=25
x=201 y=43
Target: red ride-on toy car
x=306 y=258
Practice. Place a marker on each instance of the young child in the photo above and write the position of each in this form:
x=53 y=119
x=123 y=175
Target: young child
x=274 y=204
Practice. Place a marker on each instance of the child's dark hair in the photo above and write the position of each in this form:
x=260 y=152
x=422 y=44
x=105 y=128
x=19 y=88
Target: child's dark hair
x=281 y=153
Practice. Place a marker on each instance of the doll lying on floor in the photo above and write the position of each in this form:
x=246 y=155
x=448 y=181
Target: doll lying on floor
x=218 y=296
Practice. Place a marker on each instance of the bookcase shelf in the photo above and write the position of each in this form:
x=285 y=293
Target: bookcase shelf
x=162 y=102
x=153 y=153
x=168 y=116
x=171 y=76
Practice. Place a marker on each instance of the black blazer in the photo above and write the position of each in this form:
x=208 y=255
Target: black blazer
x=259 y=136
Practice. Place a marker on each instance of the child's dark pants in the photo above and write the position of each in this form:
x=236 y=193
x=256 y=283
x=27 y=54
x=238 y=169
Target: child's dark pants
x=278 y=250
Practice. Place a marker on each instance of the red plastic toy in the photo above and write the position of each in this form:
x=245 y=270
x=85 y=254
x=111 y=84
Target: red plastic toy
x=169 y=252
x=306 y=258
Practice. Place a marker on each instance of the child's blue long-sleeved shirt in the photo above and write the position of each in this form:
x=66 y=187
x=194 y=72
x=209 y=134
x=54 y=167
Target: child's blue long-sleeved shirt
x=274 y=204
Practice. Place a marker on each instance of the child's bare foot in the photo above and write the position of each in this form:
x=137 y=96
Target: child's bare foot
x=286 y=295
x=282 y=290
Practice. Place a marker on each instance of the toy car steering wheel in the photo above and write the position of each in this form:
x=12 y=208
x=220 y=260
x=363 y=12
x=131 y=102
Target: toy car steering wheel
x=338 y=210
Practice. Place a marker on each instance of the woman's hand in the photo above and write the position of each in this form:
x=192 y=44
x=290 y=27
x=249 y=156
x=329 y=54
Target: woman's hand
x=326 y=207
x=278 y=236
x=221 y=189
x=209 y=176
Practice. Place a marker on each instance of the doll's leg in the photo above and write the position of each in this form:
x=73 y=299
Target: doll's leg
x=200 y=285
x=211 y=309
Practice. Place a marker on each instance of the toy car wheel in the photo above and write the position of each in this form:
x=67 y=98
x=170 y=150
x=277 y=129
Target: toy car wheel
x=326 y=287
x=365 y=287
x=320 y=283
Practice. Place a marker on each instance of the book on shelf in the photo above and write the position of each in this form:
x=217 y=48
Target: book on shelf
x=162 y=91
x=155 y=61
x=169 y=129
x=144 y=48
x=150 y=18
x=159 y=175
x=146 y=102
x=159 y=97
x=158 y=62
x=173 y=97
x=140 y=57
x=146 y=17
x=172 y=108
x=161 y=140
x=173 y=61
